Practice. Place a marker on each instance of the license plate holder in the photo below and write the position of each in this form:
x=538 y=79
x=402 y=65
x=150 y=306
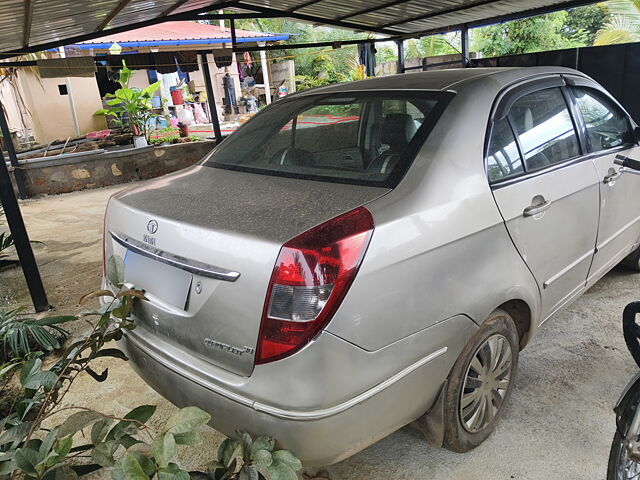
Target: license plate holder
x=167 y=283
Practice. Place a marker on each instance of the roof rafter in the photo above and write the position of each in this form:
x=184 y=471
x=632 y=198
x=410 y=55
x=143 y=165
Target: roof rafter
x=444 y=11
x=112 y=14
x=320 y=20
x=123 y=28
x=28 y=20
x=372 y=9
x=304 y=5
x=499 y=19
x=173 y=8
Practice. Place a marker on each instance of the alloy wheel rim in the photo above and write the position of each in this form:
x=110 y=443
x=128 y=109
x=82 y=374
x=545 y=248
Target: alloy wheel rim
x=627 y=468
x=486 y=383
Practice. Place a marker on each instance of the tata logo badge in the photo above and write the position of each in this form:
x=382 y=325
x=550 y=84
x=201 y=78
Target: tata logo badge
x=152 y=228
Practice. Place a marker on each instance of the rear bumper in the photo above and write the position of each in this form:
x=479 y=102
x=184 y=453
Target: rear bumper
x=319 y=436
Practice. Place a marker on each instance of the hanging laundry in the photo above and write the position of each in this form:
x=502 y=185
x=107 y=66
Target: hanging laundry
x=187 y=61
x=247 y=59
x=67 y=67
x=223 y=57
x=165 y=62
x=134 y=61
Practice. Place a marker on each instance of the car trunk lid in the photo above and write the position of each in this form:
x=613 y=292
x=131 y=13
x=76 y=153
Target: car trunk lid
x=203 y=243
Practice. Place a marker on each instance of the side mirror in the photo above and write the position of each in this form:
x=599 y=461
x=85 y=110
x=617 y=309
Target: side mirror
x=636 y=134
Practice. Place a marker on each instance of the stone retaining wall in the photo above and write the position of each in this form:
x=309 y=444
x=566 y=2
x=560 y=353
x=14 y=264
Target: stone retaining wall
x=70 y=173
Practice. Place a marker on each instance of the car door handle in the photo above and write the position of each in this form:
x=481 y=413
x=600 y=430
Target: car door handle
x=611 y=177
x=539 y=205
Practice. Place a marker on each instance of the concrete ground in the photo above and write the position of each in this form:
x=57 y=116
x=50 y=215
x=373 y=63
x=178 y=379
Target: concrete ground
x=558 y=425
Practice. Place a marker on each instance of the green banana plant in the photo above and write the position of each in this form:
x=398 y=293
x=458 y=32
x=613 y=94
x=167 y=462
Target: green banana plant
x=130 y=107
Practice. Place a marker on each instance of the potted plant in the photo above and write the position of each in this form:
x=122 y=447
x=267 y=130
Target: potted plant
x=131 y=108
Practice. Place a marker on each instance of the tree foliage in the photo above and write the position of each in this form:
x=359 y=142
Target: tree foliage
x=528 y=35
x=614 y=21
x=583 y=23
x=328 y=65
x=624 y=24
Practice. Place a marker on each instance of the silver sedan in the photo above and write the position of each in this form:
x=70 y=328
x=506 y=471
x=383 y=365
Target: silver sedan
x=366 y=255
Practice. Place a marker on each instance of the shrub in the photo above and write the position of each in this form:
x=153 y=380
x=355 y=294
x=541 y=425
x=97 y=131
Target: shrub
x=29 y=450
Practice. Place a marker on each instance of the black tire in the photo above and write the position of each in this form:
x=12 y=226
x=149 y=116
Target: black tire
x=460 y=433
x=632 y=261
x=620 y=466
x=614 y=468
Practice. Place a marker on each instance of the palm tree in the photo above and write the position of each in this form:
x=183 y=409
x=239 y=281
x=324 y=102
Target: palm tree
x=624 y=27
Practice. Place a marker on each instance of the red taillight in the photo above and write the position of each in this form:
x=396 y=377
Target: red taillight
x=311 y=277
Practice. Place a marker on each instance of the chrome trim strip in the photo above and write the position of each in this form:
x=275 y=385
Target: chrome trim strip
x=567 y=268
x=192 y=266
x=301 y=415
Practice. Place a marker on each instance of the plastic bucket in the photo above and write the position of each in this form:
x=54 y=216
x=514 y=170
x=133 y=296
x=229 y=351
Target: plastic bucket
x=176 y=97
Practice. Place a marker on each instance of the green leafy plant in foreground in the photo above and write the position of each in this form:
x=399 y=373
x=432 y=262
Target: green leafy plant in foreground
x=130 y=107
x=6 y=239
x=126 y=445
x=19 y=333
x=243 y=458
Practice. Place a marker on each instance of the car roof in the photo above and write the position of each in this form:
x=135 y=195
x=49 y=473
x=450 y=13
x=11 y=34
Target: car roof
x=454 y=78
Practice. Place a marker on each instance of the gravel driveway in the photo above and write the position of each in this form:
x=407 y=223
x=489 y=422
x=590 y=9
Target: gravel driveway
x=558 y=425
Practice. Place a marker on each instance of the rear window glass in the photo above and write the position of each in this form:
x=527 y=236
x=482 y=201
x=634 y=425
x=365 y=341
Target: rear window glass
x=543 y=124
x=503 y=159
x=362 y=138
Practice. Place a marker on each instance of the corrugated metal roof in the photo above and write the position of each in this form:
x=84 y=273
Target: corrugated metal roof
x=29 y=25
x=175 y=31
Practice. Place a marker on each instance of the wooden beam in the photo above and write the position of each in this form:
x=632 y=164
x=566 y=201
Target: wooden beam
x=112 y=15
x=28 y=20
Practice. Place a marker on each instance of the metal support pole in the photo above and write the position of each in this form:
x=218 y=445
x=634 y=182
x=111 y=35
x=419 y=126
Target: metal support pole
x=17 y=228
x=232 y=23
x=464 y=37
x=213 y=109
x=13 y=158
x=400 y=44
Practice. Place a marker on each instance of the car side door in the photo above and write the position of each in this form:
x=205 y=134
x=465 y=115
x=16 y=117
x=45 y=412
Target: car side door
x=608 y=131
x=545 y=188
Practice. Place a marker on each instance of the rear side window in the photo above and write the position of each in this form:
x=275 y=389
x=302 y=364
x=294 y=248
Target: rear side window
x=607 y=125
x=503 y=159
x=357 y=137
x=544 y=127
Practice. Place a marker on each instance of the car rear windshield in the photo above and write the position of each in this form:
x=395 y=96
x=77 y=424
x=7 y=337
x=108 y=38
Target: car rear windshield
x=367 y=138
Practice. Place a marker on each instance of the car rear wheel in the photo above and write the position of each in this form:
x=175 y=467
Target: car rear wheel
x=480 y=383
x=632 y=260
